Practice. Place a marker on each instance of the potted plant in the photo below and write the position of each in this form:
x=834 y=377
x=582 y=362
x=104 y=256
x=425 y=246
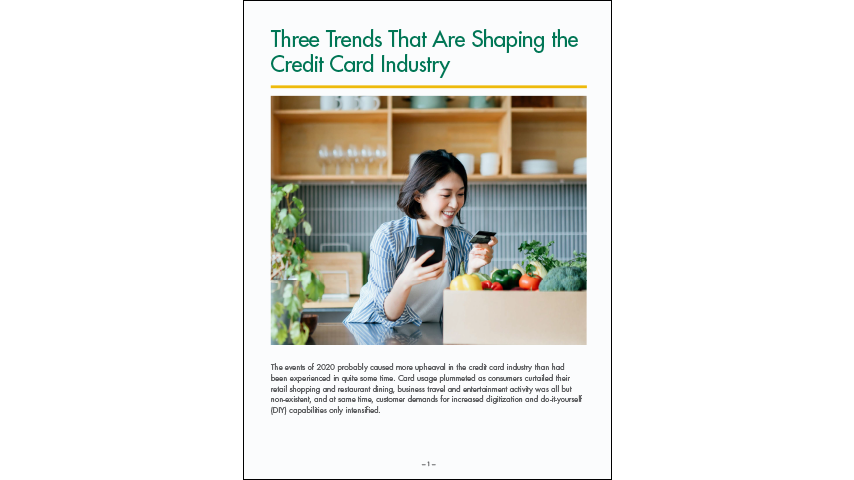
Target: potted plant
x=291 y=280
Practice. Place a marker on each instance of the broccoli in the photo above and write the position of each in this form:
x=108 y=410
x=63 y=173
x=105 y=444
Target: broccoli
x=570 y=279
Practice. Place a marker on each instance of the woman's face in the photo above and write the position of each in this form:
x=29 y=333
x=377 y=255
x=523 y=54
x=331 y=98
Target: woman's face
x=442 y=202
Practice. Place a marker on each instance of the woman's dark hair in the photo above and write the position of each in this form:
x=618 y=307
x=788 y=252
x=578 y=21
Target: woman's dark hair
x=428 y=169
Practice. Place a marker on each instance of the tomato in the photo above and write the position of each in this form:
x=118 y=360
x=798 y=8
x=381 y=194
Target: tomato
x=530 y=283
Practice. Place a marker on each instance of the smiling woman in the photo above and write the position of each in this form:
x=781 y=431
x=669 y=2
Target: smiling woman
x=400 y=288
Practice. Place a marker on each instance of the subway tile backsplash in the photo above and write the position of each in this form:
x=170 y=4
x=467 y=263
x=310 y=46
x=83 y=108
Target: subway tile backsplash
x=347 y=216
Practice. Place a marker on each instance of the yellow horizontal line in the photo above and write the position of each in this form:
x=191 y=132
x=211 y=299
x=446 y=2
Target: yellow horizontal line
x=428 y=86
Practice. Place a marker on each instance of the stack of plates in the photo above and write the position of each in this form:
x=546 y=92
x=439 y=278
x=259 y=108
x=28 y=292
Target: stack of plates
x=539 y=167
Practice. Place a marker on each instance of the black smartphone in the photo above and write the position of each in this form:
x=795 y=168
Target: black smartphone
x=482 y=237
x=424 y=244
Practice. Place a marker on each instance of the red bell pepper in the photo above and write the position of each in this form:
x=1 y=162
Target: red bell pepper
x=530 y=283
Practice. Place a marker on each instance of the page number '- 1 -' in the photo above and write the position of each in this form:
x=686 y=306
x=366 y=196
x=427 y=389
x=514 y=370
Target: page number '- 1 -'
x=428 y=464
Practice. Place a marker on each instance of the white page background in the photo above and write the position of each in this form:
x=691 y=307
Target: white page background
x=518 y=440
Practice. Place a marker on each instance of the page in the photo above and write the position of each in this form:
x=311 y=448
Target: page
x=430 y=312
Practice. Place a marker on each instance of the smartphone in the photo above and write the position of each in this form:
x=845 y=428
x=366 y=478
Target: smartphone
x=482 y=237
x=424 y=244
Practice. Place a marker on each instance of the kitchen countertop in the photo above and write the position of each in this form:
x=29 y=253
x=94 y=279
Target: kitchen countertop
x=331 y=305
x=376 y=334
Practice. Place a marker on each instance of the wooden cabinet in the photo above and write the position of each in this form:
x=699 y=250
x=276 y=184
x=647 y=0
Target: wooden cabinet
x=517 y=134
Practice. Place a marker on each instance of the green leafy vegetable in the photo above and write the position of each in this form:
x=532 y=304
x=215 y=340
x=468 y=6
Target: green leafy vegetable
x=537 y=252
x=566 y=278
x=579 y=260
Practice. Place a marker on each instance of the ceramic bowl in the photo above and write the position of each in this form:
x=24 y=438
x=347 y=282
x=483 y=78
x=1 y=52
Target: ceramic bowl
x=539 y=167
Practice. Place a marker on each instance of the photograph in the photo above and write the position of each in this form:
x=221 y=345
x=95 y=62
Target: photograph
x=428 y=220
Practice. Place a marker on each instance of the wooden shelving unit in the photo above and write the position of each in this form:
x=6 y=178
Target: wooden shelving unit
x=577 y=114
x=517 y=134
x=451 y=115
x=336 y=116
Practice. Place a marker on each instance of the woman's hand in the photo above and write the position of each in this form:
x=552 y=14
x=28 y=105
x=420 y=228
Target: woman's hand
x=481 y=255
x=415 y=273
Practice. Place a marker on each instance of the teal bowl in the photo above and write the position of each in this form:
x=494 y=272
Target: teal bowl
x=429 y=102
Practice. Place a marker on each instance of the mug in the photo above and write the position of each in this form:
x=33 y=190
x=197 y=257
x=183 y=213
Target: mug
x=349 y=103
x=428 y=102
x=467 y=160
x=369 y=103
x=489 y=164
x=330 y=103
x=481 y=102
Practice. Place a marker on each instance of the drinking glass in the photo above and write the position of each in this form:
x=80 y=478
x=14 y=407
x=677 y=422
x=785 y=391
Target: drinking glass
x=352 y=157
x=323 y=158
x=367 y=156
x=338 y=156
x=381 y=154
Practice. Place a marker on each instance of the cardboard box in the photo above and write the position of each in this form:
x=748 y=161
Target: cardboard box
x=515 y=318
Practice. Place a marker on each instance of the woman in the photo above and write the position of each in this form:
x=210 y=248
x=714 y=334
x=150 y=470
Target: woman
x=399 y=289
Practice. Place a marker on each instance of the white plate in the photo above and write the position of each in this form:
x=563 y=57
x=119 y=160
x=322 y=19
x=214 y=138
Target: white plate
x=539 y=166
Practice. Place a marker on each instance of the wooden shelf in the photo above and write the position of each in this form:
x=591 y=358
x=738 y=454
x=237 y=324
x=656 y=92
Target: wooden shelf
x=400 y=178
x=334 y=178
x=572 y=114
x=549 y=176
x=331 y=116
x=447 y=114
x=298 y=128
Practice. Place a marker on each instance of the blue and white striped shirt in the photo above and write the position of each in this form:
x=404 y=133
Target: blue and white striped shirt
x=391 y=248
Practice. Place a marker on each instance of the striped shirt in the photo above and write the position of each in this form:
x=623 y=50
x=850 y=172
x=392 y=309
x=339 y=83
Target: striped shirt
x=391 y=248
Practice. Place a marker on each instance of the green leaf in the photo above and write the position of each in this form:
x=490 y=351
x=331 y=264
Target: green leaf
x=315 y=289
x=306 y=278
x=299 y=248
x=288 y=292
x=311 y=292
x=281 y=243
x=294 y=310
x=282 y=336
x=307 y=227
x=298 y=204
x=301 y=296
x=276 y=200
x=278 y=310
x=299 y=333
x=289 y=221
x=289 y=188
